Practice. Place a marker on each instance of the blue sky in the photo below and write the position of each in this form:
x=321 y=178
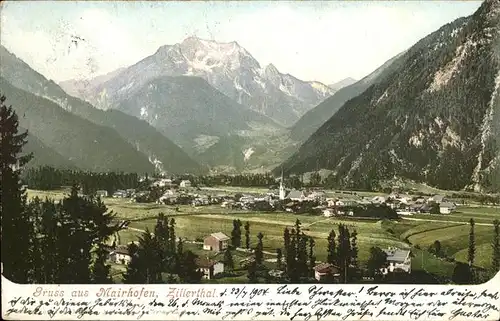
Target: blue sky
x=323 y=41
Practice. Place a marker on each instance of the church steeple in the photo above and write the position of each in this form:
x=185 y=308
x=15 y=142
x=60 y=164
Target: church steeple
x=282 y=187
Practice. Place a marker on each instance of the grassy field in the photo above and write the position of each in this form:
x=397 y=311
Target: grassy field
x=194 y=223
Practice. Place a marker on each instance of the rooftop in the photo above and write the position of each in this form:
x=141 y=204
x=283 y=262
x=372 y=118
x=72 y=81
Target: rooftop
x=205 y=262
x=220 y=236
x=397 y=255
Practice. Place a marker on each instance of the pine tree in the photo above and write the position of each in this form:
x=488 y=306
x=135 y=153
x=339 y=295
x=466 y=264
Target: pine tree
x=236 y=234
x=100 y=270
x=178 y=256
x=171 y=234
x=376 y=261
x=495 y=262
x=279 y=259
x=354 y=249
x=312 y=257
x=259 y=255
x=83 y=225
x=162 y=235
x=292 y=269
x=289 y=252
x=302 y=266
x=252 y=272
x=150 y=255
x=135 y=273
x=344 y=251
x=332 y=249
x=472 y=244
x=247 y=235
x=189 y=271
x=40 y=243
x=17 y=231
x=228 y=260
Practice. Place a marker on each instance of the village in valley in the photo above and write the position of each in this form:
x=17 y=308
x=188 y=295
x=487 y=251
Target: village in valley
x=210 y=221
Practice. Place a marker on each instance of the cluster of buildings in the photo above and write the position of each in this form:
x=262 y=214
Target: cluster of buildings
x=398 y=260
x=121 y=193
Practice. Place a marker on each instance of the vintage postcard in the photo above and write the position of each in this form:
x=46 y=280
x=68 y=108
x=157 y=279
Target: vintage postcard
x=250 y=160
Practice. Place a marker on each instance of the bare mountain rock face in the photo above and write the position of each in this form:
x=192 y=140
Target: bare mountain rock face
x=434 y=119
x=228 y=67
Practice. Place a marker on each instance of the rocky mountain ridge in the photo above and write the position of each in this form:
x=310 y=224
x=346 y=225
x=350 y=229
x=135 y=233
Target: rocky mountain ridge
x=433 y=119
x=228 y=67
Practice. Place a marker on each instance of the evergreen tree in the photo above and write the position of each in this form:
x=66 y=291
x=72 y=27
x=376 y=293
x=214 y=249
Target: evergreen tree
x=495 y=262
x=279 y=259
x=189 y=271
x=312 y=257
x=355 y=272
x=247 y=235
x=236 y=234
x=150 y=254
x=171 y=234
x=332 y=249
x=376 y=261
x=178 y=257
x=228 y=260
x=302 y=266
x=343 y=252
x=289 y=252
x=162 y=235
x=252 y=272
x=135 y=273
x=292 y=269
x=84 y=223
x=17 y=231
x=472 y=244
x=354 y=249
x=100 y=270
x=40 y=243
x=259 y=255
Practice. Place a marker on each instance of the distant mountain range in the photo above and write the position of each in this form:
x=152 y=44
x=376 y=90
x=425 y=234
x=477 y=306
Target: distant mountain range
x=317 y=116
x=343 y=83
x=227 y=67
x=85 y=136
x=433 y=117
x=195 y=93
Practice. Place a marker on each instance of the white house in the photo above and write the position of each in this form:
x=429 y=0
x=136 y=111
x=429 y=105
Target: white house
x=328 y=212
x=163 y=182
x=336 y=202
x=185 y=184
x=446 y=208
x=102 y=193
x=397 y=259
x=210 y=268
x=324 y=270
x=216 y=242
x=120 y=255
x=296 y=195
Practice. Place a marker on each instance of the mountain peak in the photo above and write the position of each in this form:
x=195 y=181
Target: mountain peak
x=272 y=69
x=490 y=9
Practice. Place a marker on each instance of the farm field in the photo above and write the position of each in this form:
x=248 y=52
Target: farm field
x=417 y=231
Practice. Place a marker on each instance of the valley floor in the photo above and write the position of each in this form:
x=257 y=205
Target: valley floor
x=417 y=232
